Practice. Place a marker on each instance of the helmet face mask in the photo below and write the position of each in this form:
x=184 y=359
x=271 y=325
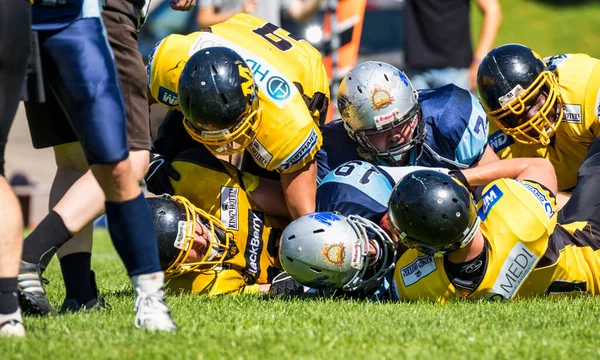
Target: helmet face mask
x=177 y=243
x=510 y=80
x=375 y=99
x=219 y=99
x=329 y=251
x=432 y=212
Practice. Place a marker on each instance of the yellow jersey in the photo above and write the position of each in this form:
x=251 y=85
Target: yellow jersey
x=579 y=84
x=218 y=188
x=517 y=218
x=293 y=88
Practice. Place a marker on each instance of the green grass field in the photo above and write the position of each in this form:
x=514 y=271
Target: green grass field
x=546 y=28
x=260 y=328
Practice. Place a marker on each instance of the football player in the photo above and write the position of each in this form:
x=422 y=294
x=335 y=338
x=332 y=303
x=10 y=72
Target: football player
x=216 y=238
x=384 y=120
x=541 y=107
x=15 y=20
x=247 y=85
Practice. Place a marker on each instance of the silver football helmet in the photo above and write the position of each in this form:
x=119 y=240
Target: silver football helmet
x=375 y=97
x=329 y=251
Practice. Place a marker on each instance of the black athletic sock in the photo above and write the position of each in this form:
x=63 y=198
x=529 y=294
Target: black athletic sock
x=49 y=235
x=76 y=270
x=133 y=235
x=9 y=300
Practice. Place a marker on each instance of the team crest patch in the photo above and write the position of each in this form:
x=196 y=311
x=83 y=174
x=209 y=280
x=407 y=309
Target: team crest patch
x=418 y=269
x=334 y=254
x=381 y=98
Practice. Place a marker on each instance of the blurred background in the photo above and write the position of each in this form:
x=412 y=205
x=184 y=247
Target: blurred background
x=547 y=26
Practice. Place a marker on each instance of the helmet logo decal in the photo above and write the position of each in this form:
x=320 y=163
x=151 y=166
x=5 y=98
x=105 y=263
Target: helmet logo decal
x=278 y=88
x=181 y=230
x=325 y=218
x=510 y=96
x=381 y=98
x=334 y=254
x=248 y=84
x=382 y=120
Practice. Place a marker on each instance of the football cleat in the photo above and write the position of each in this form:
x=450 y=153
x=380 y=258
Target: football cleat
x=32 y=294
x=152 y=312
x=12 y=325
x=97 y=303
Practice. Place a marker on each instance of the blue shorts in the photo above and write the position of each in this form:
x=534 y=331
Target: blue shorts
x=81 y=84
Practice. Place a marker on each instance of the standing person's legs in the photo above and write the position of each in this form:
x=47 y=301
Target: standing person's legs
x=15 y=20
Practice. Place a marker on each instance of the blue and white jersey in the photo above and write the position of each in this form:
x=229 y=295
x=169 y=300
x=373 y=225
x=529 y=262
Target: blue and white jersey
x=456 y=133
x=58 y=14
x=356 y=188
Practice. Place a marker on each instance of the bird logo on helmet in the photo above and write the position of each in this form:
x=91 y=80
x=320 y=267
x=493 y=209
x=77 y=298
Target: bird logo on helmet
x=520 y=93
x=218 y=97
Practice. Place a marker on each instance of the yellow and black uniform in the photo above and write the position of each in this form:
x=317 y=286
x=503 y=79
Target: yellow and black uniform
x=579 y=87
x=293 y=87
x=221 y=190
x=526 y=252
x=516 y=220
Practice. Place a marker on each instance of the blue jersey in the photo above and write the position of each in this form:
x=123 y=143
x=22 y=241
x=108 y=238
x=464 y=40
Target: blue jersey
x=456 y=133
x=58 y=14
x=356 y=188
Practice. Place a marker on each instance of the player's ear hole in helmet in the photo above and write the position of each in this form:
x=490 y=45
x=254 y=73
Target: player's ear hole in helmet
x=520 y=93
x=189 y=239
x=381 y=112
x=432 y=212
x=218 y=97
x=329 y=251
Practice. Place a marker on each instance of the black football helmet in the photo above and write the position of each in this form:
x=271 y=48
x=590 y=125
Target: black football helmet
x=218 y=97
x=432 y=212
x=175 y=220
x=509 y=80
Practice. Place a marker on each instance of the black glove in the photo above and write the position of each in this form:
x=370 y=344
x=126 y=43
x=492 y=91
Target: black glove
x=285 y=285
x=159 y=174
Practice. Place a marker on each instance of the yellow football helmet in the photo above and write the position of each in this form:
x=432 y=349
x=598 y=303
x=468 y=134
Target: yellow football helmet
x=510 y=80
x=176 y=220
x=219 y=99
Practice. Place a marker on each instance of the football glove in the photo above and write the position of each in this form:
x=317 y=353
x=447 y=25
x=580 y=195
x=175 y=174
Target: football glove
x=159 y=174
x=285 y=285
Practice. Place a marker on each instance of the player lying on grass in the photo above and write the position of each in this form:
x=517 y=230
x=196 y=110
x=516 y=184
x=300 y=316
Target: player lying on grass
x=508 y=245
x=214 y=237
x=541 y=107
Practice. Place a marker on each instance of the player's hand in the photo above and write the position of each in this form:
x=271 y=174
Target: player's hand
x=285 y=285
x=182 y=5
x=159 y=175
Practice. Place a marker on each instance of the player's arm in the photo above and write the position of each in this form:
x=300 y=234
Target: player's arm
x=300 y=190
x=267 y=193
x=492 y=17
x=488 y=156
x=534 y=169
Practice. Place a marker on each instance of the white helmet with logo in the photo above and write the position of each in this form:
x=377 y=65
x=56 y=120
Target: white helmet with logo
x=373 y=98
x=329 y=251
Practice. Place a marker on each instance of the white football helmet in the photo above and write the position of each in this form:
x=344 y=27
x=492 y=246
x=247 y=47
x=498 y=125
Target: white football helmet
x=373 y=98
x=329 y=251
